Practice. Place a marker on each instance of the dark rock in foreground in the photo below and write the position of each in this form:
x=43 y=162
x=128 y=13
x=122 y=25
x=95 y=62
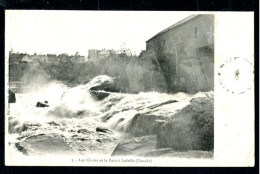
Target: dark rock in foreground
x=11 y=97
x=145 y=146
x=192 y=128
x=42 y=105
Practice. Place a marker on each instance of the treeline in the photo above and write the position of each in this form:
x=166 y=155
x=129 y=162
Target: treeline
x=68 y=71
x=133 y=74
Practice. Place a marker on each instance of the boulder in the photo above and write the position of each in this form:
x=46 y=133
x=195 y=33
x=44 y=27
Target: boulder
x=83 y=131
x=188 y=154
x=148 y=122
x=42 y=105
x=99 y=95
x=140 y=114
x=135 y=146
x=157 y=152
x=103 y=83
x=145 y=146
x=53 y=123
x=192 y=128
x=42 y=144
x=145 y=124
x=102 y=129
x=16 y=126
x=11 y=97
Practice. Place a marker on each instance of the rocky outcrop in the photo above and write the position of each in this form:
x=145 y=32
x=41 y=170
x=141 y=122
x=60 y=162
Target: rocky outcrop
x=145 y=146
x=44 y=144
x=192 y=128
x=145 y=124
x=180 y=127
x=16 y=126
x=135 y=146
x=104 y=83
x=196 y=74
x=96 y=85
x=140 y=114
x=144 y=74
x=11 y=97
x=99 y=95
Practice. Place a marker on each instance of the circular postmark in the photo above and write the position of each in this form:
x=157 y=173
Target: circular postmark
x=236 y=75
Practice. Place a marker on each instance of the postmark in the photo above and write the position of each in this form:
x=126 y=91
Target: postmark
x=236 y=75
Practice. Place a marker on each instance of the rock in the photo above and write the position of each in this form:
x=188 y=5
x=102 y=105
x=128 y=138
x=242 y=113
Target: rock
x=140 y=114
x=145 y=146
x=21 y=148
x=104 y=83
x=15 y=126
x=42 y=105
x=98 y=140
x=83 y=131
x=13 y=123
x=157 y=152
x=11 y=97
x=145 y=74
x=53 y=123
x=120 y=150
x=192 y=128
x=135 y=146
x=99 y=95
x=196 y=74
x=145 y=124
x=164 y=103
x=149 y=121
x=189 y=154
x=44 y=145
x=79 y=113
x=104 y=130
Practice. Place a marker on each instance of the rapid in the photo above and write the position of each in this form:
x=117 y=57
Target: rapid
x=77 y=123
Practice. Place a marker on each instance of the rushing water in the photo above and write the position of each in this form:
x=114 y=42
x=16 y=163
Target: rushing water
x=75 y=116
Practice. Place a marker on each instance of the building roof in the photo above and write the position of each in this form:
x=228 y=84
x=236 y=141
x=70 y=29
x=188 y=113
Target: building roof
x=175 y=25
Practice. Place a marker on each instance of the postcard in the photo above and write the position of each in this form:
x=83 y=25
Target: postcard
x=129 y=88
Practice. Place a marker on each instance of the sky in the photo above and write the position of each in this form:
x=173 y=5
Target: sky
x=56 y=32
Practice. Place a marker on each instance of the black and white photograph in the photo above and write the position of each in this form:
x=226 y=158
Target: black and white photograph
x=116 y=88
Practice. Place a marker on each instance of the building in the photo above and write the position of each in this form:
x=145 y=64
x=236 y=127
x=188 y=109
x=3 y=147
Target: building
x=92 y=54
x=99 y=54
x=104 y=53
x=185 y=52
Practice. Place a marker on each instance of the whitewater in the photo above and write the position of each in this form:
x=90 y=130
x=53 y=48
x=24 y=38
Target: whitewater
x=77 y=123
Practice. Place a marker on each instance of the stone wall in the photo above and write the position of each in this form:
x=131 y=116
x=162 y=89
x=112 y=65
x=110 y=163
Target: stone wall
x=186 y=55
